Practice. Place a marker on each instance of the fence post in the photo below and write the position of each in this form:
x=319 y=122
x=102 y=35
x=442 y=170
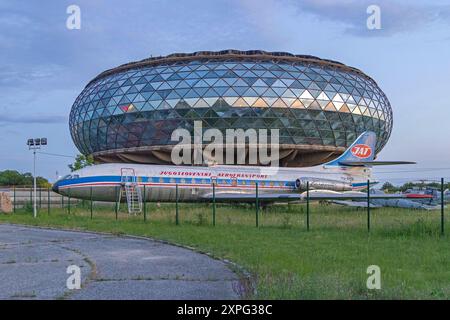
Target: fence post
x=40 y=198
x=48 y=201
x=31 y=196
x=257 y=204
x=214 y=204
x=176 y=204
x=307 y=205
x=62 y=201
x=14 y=195
x=368 y=205
x=91 y=202
x=68 y=202
x=117 y=202
x=442 y=206
x=145 y=204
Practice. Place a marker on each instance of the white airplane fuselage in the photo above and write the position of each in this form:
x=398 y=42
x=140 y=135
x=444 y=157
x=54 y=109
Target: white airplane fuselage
x=159 y=182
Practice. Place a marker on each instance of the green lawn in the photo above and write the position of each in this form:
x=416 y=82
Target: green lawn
x=286 y=261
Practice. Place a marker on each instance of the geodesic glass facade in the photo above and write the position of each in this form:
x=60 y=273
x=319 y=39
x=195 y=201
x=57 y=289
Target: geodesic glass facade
x=312 y=103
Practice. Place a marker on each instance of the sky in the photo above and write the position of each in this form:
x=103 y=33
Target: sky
x=44 y=65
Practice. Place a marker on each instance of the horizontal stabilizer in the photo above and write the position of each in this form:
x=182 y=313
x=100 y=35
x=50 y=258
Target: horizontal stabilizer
x=373 y=163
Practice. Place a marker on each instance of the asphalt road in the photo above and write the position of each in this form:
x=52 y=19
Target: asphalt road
x=33 y=265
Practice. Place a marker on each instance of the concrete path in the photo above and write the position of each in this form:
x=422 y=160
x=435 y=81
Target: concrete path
x=33 y=265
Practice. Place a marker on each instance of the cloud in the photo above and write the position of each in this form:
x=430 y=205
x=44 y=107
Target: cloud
x=396 y=16
x=34 y=118
x=14 y=76
x=18 y=30
x=14 y=20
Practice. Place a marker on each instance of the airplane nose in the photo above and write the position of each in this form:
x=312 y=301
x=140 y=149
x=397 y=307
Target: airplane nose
x=55 y=188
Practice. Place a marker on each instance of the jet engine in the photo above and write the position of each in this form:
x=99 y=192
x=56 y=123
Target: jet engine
x=322 y=184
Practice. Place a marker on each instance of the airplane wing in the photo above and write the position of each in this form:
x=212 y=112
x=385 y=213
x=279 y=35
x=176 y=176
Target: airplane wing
x=396 y=204
x=358 y=204
x=313 y=195
x=250 y=197
x=356 y=195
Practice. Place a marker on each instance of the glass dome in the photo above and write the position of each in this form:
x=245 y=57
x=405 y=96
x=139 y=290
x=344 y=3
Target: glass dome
x=127 y=114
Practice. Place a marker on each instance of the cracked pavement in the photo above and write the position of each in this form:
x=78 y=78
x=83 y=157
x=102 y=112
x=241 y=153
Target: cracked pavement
x=33 y=264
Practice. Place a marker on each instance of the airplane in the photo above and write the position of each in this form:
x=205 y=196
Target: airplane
x=434 y=192
x=339 y=179
x=415 y=201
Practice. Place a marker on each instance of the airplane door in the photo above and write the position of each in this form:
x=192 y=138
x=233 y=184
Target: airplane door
x=127 y=175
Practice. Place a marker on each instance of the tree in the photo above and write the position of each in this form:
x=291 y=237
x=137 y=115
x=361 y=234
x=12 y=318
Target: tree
x=11 y=178
x=389 y=187
x=15 y=178
x=421 y=185
x=81 y=161
x=42 y=182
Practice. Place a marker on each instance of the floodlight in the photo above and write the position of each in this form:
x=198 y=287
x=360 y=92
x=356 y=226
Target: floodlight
x=35 y=144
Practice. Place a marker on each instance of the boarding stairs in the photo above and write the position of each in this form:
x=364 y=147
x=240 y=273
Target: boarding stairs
x=132 y=190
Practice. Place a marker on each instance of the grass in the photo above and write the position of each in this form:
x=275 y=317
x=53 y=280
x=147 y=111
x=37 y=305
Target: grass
x=286 y=261
x=23 y=295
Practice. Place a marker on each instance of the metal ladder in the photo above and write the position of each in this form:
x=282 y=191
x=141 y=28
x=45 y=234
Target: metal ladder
x=132 y=190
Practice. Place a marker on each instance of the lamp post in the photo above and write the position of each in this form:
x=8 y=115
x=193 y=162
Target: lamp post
x=35 y=144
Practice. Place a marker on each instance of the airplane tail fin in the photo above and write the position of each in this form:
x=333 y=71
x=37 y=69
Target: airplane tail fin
x=362 y=149
x=362 y=153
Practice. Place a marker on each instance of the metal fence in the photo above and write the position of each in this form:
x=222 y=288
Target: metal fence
x=47 y=200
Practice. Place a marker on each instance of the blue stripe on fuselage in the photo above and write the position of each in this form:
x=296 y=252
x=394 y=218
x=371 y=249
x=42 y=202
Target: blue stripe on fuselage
x=68 y=182
x=363 y=184
x=168 y=180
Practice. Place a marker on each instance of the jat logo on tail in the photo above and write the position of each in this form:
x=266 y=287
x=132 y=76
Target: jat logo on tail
x=362 y=151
